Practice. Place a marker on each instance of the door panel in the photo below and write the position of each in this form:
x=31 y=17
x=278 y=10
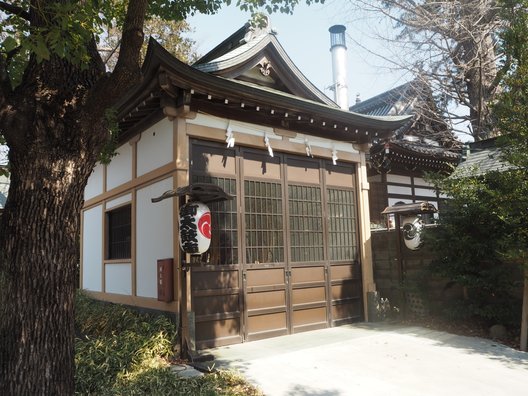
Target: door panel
x=308 y=298
x=265 y=303
x=346 y=293
x=217 y=305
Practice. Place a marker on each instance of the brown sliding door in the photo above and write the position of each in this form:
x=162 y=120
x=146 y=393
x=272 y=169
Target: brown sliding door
x=284 y=253
x=307 y=269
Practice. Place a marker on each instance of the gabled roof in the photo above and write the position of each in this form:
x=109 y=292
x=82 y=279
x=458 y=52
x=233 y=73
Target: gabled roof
x=170 y=83
x=255 y=55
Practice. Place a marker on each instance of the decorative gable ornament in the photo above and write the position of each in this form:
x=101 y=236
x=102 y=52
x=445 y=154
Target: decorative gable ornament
x=195 y=228
x=265 y=67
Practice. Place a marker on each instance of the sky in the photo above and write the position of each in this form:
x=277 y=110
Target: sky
x=305 y=38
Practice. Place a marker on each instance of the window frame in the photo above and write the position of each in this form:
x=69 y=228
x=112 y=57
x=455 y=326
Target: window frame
x=110 y=255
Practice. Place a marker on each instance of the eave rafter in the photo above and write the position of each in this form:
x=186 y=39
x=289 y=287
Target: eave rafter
x=396 y=156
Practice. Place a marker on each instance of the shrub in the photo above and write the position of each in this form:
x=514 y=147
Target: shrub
x=114 y=342
x=120 y=351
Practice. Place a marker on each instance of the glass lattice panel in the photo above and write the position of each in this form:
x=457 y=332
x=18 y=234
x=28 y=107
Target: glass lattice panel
x=306 y=223
x=342 y=225
x=264 y=227
x=224 y=234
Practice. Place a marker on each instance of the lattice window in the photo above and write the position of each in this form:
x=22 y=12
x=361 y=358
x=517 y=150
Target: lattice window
x=119 y=223
x=224 y=234
x=306 y=223
x=264 y=225
x=342 y=225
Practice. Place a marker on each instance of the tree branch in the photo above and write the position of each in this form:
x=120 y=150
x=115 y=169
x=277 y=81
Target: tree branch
x=15 y=10
x=128 y=67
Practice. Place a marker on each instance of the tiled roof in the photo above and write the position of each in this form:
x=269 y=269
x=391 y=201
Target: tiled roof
x=397 y=101
x=427 y=149
x=484 y=157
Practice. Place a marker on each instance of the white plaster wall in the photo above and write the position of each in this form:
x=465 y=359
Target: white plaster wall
x=118 y=278
x=95 y=183
x=425 y=192
x=398 y=179
x=154 y=149
x=118 y=201
x=421 y=182
x=399 y=190
x=154 y=235
x=119 y=170
x=92 y=249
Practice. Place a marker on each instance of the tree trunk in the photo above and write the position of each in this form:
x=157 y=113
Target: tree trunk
x=39 y=237
x=55 y=126
x=54 y=142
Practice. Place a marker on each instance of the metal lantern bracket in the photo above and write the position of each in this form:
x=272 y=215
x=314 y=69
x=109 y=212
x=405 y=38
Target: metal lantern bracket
x=203 y=192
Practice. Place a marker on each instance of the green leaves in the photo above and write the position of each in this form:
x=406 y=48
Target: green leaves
x=122 y=352
x=9 y=44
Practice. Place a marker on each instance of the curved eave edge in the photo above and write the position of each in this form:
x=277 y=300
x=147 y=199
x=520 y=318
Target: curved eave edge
x=218 y=65
x=158 y=58
x=298 y=73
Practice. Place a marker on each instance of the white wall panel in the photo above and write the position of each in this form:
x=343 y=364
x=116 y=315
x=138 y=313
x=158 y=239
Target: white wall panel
x=95 y=183
x=154 y=235
x=154 y=149
x=425 y=192
x=398 y=179
x=118 y=201
x=92 y=254
x=421 y=182
x=118 y=279
x=119 y=170
x=399 y=190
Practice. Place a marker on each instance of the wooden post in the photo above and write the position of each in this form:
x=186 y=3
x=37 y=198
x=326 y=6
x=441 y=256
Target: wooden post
x=365 y=243
x=185 y=300
x=524 y=318
x=401 y=268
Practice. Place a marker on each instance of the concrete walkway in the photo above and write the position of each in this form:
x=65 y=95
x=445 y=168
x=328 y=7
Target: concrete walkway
x=378 y=359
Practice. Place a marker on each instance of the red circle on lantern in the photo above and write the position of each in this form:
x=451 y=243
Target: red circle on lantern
x=204 y=225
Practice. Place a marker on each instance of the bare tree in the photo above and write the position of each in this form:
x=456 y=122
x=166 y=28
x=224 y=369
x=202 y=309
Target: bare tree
x=452 y=44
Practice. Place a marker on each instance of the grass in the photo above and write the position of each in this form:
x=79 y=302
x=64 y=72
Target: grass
x=120 y=351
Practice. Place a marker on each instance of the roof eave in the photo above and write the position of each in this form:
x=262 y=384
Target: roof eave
x=182 y=76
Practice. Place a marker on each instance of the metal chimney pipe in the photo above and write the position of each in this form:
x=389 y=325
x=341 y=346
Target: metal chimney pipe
x=339 y=65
